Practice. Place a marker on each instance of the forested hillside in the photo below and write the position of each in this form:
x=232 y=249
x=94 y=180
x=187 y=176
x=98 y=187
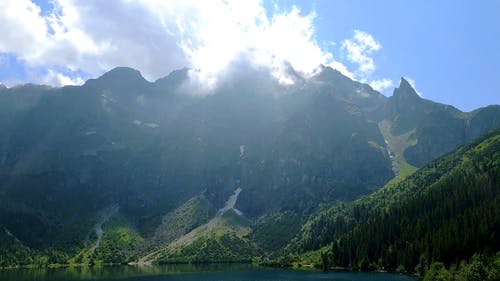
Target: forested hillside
x=445 y=212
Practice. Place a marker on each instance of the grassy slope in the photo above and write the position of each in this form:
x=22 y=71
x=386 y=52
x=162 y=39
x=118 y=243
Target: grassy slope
x=118 y=245
x=223 y=239
x=397 y=145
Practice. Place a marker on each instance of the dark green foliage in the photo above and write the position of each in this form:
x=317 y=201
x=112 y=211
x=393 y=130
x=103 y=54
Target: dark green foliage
x=193 y=213
x=227 y=247
x=118 y=244
x=15 y=254
x=446 y=211
x=274 y=231
x=479 y=268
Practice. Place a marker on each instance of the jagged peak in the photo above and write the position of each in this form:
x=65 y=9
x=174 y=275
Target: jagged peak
x=404 y=83
x=405 y=90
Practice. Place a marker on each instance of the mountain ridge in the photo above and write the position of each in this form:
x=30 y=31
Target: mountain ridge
x=160 y=155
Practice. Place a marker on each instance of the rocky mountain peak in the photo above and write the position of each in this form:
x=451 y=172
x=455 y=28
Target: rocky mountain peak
x=405 y=91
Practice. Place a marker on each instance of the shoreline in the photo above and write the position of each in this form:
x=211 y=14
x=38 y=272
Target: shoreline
x=303 y=267
x=130 y=264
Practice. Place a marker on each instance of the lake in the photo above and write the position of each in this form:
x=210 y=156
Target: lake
x=192 y=273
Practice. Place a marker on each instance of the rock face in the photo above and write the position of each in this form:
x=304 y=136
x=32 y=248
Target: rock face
x=435 y=128
x=150 y=147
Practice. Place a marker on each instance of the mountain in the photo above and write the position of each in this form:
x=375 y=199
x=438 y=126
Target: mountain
x=446 y=212
x=433 y=128
x=120 y=169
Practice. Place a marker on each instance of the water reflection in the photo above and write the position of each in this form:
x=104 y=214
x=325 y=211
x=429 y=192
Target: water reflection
x=221 y=272
x=113 y=272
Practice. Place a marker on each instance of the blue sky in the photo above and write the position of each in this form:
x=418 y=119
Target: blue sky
x=449 y=49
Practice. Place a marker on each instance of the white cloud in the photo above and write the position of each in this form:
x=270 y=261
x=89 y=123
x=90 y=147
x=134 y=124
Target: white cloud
x=341 y=68
x=382 y=85
x=158 y=36
x=22 y=29
x=359 y=50
x=58 y=79
x=413 y=84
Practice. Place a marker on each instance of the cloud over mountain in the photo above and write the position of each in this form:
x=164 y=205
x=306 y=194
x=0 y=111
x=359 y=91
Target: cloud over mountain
x=71 y=40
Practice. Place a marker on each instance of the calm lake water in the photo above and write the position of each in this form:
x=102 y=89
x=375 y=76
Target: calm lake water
x=193 y=273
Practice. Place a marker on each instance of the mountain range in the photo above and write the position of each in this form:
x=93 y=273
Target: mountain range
x=123 y=170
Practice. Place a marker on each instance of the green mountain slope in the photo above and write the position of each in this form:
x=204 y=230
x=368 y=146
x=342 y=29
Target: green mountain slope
x=166 y=160
x=434 y=129
x=446 y=211
x=222 y=238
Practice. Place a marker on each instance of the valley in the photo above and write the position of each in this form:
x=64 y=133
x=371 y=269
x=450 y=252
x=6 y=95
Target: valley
x=122 y=170
x=217 y=140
